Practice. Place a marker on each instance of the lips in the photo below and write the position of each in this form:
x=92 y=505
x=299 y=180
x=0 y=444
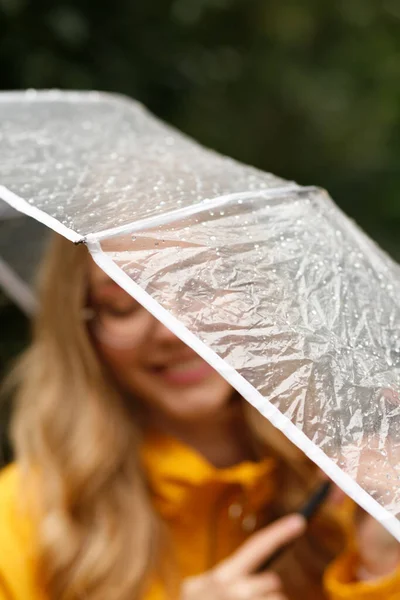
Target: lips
x=185 y=371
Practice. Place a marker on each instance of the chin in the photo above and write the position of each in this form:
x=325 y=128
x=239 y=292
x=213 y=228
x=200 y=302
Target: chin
x=182 y=398
x=191 y=405
x=196 y=410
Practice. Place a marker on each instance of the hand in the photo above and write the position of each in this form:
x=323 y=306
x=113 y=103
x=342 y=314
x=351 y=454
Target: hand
x=379 y=552
x=234 y=578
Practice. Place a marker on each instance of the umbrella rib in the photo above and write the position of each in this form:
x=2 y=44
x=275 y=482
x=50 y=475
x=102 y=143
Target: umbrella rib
x=188 y=211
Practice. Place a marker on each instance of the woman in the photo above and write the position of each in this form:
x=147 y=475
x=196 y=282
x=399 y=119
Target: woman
x=141 y=475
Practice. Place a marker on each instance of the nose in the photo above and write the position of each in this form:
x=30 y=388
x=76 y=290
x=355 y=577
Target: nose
x=161 y=333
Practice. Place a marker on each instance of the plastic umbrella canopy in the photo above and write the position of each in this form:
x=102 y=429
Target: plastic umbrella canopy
x=268 y=281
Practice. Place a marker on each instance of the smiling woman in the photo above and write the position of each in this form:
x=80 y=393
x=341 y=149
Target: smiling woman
x=141 y=474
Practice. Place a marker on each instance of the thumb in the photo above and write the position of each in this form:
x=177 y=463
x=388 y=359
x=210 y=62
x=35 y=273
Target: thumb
x=260 y=546
x=379 y=552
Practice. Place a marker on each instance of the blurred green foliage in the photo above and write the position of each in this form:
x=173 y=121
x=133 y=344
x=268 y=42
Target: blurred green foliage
x=307 y=89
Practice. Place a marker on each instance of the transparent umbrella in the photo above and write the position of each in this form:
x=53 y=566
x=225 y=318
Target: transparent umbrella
x=268 y=281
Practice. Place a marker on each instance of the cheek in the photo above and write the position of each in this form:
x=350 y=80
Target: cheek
x=124 y=364
x=127 y=369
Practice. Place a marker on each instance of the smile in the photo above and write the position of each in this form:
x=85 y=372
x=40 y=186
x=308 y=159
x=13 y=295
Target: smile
x=185 y=372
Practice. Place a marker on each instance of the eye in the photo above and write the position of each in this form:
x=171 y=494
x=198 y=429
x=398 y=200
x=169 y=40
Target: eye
x=118 y=312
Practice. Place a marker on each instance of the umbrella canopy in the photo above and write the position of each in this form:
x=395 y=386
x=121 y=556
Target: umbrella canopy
x=267 y=280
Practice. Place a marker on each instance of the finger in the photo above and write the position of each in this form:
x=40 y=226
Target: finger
x=261 y=546
x=257 y=586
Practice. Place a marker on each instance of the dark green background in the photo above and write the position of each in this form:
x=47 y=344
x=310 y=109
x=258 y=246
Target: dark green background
x=307 y=89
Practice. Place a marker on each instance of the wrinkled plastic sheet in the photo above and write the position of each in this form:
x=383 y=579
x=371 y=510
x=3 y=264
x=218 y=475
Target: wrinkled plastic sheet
x=270 y=282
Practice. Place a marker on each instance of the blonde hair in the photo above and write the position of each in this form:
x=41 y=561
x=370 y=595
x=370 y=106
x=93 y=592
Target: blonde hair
x=71 y=428
x=97 y=533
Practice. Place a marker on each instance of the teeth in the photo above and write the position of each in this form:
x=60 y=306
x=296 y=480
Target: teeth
x=188 y=365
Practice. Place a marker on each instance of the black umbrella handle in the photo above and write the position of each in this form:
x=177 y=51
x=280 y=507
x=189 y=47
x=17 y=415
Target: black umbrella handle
x=307 y=511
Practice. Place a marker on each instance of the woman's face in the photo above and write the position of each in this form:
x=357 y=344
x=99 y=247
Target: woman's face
x=148 y=360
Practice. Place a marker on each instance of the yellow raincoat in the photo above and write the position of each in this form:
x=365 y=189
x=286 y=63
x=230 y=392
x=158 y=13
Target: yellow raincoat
x=209 y=511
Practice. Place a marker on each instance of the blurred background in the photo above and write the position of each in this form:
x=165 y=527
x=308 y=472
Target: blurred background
x=306 y=89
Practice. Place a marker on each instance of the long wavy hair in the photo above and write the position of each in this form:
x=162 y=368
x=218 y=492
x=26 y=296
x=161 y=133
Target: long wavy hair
x=97 y=534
